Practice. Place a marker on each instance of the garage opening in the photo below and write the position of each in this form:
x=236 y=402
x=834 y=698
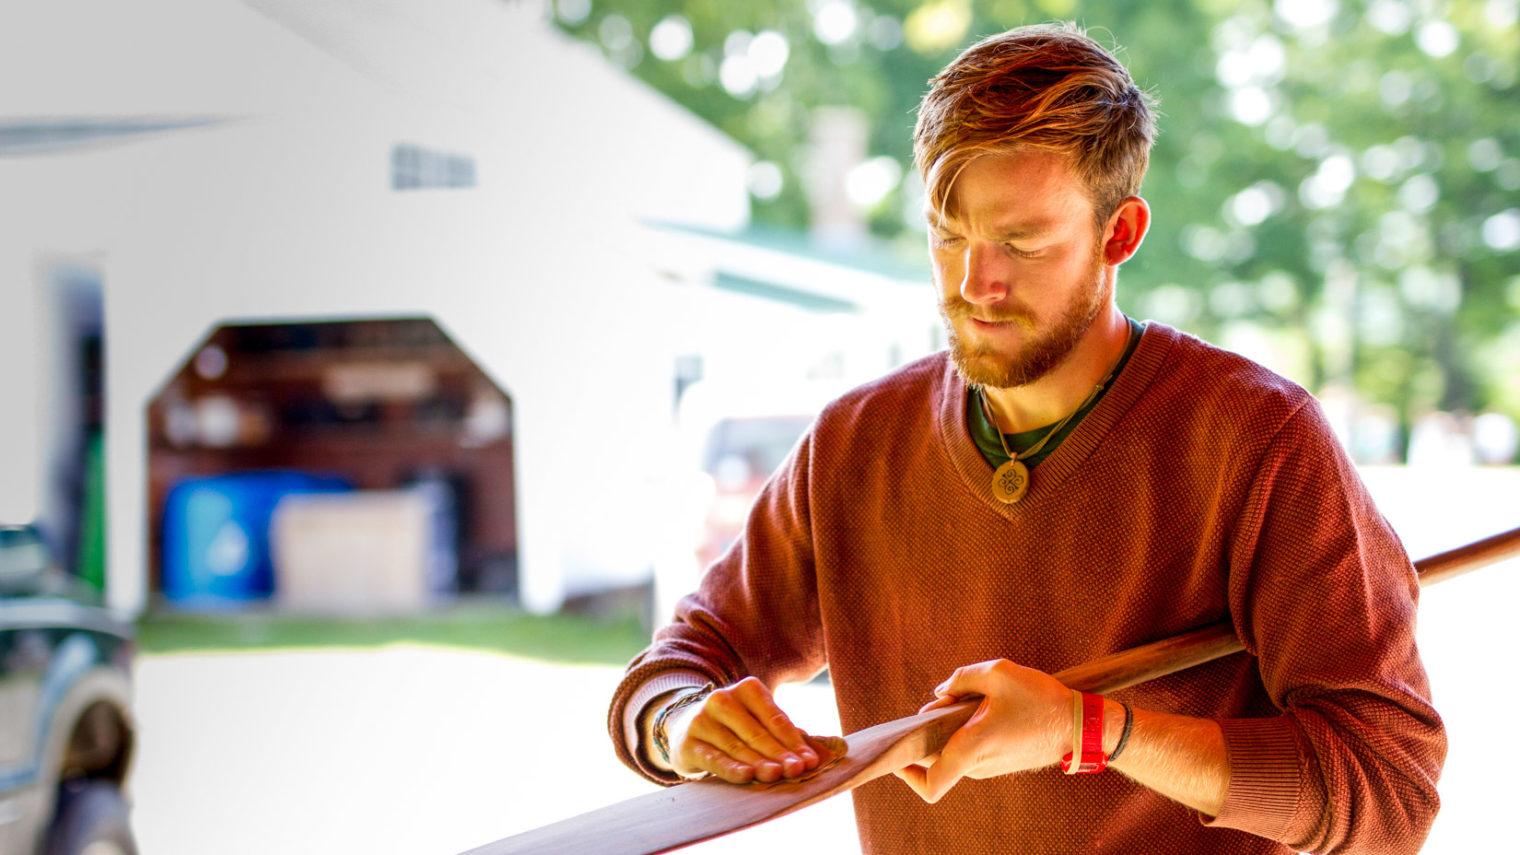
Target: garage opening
x=336 y=465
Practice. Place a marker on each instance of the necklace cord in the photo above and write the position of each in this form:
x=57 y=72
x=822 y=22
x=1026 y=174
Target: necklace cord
x=1035 y=449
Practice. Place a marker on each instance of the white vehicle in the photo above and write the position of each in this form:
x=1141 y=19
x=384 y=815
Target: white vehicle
x=730 y=439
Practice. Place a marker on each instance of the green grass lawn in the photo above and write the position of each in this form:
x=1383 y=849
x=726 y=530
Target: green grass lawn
x=566 y=638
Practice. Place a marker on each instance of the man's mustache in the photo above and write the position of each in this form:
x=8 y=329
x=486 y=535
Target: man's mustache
x=957 y=309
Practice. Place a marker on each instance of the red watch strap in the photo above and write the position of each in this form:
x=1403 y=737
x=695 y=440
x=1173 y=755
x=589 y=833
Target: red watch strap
x=1089 y=723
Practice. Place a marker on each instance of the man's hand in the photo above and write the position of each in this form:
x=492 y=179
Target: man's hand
x=740 y=735
x=1024 y=722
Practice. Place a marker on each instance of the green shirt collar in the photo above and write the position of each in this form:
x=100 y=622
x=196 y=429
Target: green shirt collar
x=985 y=434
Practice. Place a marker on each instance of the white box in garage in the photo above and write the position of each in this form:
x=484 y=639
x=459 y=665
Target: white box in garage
x=369 y=551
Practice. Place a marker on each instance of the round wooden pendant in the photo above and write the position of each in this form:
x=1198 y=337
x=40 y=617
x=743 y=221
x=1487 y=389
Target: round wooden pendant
x=1010 y=481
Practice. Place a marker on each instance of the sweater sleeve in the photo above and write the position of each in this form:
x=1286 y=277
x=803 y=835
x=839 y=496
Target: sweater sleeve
x=755 y=613
x=1323 y=594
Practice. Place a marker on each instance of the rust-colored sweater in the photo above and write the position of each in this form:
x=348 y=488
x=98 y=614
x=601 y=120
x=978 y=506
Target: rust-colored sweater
x=1202 y=487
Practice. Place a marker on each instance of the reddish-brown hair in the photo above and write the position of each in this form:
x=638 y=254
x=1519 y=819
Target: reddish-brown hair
x=1049 y=87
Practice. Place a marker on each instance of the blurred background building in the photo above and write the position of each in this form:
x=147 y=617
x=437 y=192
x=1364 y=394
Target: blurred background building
x=387 y=245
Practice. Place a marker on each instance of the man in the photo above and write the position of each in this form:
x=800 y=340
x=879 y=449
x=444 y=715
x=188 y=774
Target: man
x=1065 y=483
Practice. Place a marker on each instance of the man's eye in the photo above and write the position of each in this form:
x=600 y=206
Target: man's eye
x=1021 y=253
x=945 y=241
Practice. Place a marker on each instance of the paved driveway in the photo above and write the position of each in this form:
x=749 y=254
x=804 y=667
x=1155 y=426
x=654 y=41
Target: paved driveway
x=398 y=750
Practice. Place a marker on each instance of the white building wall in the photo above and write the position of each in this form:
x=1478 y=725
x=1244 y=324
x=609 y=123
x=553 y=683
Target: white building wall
x=21 y=370
x=287 y=214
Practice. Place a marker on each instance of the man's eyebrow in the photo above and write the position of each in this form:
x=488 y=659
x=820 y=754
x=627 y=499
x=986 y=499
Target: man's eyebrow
x=938 y=221
x=1025 y=231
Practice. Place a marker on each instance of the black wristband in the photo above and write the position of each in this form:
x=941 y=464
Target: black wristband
x=1129 y=722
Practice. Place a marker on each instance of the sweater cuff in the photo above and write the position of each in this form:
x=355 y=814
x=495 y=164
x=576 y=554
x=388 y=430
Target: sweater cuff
x=633 y=714
x=1264 y=788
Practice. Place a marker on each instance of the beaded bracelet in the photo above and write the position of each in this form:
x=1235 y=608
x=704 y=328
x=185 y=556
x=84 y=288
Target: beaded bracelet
x=661 y=741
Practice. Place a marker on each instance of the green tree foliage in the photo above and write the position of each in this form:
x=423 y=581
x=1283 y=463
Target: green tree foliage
x=1338 y=182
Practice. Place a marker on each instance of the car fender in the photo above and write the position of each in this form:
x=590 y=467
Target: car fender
x=78 y=678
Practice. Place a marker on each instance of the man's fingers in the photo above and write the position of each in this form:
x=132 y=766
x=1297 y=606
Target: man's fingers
x=937 y=782
x=929 y=786
x=952 y=763
x=777 y=728
x=743 y=735
x=916 y=777
x=739 y=735
x=967 y=680
x=710 y=759
x=714 y=734
x=939 y=701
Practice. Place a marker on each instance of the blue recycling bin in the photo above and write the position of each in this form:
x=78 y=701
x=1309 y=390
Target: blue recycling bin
x=216 y=535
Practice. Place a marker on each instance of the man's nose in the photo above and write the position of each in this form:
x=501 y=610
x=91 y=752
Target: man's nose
x=986 y=277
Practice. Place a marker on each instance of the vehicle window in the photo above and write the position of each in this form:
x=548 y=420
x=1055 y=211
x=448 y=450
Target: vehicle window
x=761 y=443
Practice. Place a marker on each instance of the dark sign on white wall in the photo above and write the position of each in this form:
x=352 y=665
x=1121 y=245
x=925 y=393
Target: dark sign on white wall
x=414 y=168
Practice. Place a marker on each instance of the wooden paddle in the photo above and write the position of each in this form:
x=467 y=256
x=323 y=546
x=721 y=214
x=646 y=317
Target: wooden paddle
x=690 y=813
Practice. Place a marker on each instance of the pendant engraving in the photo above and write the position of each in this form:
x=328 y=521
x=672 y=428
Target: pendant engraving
x=1010 y=481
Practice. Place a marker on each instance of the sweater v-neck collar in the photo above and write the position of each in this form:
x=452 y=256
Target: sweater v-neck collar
x=955 y=438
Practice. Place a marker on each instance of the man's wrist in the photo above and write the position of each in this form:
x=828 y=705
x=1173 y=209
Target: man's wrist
x=651 y=716
x=1115 y=717
x=643 y=702
x=677 y=704
x=1062 y=730
x=646 y=726
x=1088 y=730
x=1113 y=725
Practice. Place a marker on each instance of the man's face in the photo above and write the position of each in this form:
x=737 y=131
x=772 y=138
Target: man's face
x=1019 y=266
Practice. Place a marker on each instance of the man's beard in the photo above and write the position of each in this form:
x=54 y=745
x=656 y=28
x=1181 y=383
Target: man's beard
x=982 y=366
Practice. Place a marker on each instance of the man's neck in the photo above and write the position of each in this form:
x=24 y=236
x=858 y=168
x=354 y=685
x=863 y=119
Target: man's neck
x=1053 y=396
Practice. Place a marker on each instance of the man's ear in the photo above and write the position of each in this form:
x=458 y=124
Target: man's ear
x=1126 y=229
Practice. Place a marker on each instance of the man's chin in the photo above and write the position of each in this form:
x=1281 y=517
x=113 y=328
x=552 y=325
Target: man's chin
x=987 y=370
